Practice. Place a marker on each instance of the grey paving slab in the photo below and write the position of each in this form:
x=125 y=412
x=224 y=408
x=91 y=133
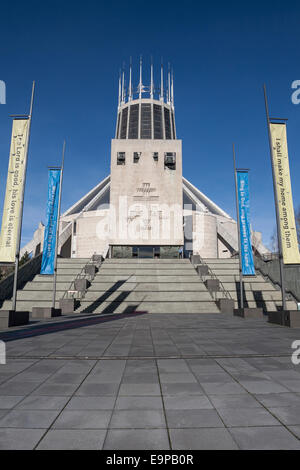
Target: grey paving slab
x=193 y=402
x=138 y=389
x=91 y=403
x=172 y=389
x=265 y=438
x=292 y=385
x=133 y=419
x=137 y=439
x=83 y=419
x=17 y=439
x=204 y=418
x=3 y=413
x=287 y=415
x=35 y=402
x=10 y=401
x=98 y=389
x=57 y=389
x=28 y=419
x=75 y=439
x=247 y=417
x=139 y=403
x=174 y=377
x=202 y=439
x=295 y=430
x=234 y=401
x=224 y=388
x=263 y=386
x=17 y=388
x=140 y=377
x=279 y=399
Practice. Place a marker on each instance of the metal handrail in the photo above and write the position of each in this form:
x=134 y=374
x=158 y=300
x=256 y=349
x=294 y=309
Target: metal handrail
x=289 y=293
x=213 y=276
x=81 y=275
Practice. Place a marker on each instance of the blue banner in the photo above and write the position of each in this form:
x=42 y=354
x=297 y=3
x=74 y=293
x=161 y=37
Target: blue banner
x=244 y=213
x=48 y=259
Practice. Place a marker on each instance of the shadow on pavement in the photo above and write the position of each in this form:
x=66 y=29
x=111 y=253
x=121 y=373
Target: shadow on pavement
x=48 y=328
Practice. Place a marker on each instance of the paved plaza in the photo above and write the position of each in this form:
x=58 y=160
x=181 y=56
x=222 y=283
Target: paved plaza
x=142 y=381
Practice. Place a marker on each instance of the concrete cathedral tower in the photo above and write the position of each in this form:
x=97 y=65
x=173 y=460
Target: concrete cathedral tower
x=145 y=207
x=146 y=171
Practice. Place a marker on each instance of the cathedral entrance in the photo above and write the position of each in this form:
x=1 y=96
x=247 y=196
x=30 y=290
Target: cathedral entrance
x=145 y=251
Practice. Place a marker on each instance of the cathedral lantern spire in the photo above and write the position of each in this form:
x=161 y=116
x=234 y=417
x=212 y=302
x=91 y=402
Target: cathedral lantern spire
x=146 y=112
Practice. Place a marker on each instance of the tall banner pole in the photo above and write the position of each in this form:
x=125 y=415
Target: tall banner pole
x=239 y=232
x=18 y=244
x=57 y=226
x=279 y=239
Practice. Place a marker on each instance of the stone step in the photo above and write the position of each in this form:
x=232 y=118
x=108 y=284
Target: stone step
x=225 y=272
x=250 y=295
x=156 y=261
x=144 y=272
x=146 y=287
x=60 y=278
x=69 y=271
x=236 y=278
x=221 y=261
x=138 y=296
x=35 y=285
x=26 y=305
x=150 y=307
x=146 y=267
x=37 y=295
x=75 y=267
x=69 y=261
x=232 y=286
x=144 y=278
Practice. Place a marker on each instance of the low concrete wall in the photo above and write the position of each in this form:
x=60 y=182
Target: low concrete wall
x=270 y=268
x=26 y=273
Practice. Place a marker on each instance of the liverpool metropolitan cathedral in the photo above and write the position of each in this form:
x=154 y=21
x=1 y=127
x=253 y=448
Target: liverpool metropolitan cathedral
x=145 y=207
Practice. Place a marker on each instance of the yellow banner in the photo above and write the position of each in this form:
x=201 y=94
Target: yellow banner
x=281 y=167
x=14 y=185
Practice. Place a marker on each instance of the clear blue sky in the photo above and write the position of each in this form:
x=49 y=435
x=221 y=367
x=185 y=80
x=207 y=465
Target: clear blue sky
x=222 y=53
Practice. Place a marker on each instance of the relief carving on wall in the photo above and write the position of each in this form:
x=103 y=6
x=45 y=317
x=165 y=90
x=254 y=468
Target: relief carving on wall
x=145 y=193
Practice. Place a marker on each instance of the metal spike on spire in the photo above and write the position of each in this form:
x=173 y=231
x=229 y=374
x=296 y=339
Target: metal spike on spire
x=151 y=84
x=141 y=80
x=119 y=99
x=172 y=89
x=169 y=85
x=130 y=82
x=161 y=81
x=123 y=86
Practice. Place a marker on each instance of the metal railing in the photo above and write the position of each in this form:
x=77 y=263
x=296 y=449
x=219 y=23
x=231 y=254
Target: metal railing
x=71 y=292
x=270 y=272
x=213 y=276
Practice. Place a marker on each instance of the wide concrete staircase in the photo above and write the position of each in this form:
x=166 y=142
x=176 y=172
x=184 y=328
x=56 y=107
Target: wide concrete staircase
x=149 y=285
x=125 y=285
x=38 y=292
x=258 y=291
